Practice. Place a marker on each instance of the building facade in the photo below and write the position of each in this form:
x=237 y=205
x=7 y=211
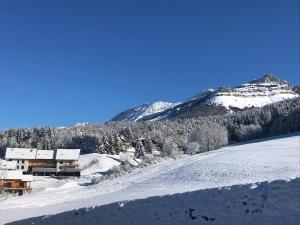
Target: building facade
x=60 y=162
x=13 y=181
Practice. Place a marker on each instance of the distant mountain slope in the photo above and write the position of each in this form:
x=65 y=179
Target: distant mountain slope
x=136 y=113
x=296 y=89
x=257 y=93
x=190 y=108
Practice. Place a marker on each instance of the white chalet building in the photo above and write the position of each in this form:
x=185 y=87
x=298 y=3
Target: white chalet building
x=60 y=162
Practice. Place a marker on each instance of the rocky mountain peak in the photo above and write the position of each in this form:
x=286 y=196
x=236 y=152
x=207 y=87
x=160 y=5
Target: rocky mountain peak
x=267 y=78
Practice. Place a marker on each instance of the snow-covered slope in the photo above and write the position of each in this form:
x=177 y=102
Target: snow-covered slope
x=257 y=93
x=136 y=113
x=263 y=203
x=97 y=163
x=266 y=160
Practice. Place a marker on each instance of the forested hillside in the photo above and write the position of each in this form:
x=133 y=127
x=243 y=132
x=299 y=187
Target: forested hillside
x=170 y=136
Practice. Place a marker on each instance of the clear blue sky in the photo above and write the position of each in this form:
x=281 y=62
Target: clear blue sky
x=63 y=62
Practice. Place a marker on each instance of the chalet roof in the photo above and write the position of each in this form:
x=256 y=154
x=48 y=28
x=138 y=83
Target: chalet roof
x=20 y=153
x=67 y=154
x=27 y=177
x=30 y=153
x=141 y=139
x=14 y=175
x=45 y=154
x=130 y=149
x=8 y=165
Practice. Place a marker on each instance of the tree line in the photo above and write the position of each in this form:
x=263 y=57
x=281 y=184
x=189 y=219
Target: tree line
x=191 y=134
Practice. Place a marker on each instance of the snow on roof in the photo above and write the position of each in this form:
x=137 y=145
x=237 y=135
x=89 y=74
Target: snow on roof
x=14 y=175
x=20 y=153
x=8 y=165
x=140 y=139
x=67 y=154
x=27 y=177
x=44 y=154
x=30 y=153
x=130 y=149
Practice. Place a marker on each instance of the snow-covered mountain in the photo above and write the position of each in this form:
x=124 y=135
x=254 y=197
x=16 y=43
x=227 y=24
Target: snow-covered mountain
x=256 y=93
x=136 y=113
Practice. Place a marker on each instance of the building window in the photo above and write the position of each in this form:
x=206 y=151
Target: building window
x=22 y=167
x=17 y=167
x=18 y=161
x=61 y=162
x=23 y=161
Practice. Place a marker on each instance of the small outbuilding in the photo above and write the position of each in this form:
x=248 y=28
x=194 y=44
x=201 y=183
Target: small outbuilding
x=14 y=181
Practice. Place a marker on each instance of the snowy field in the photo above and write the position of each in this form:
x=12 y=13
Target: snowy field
x=267 y=203
x=269 y=160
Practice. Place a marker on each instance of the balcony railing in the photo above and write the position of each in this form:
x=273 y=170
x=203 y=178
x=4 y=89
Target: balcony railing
x=74 y=165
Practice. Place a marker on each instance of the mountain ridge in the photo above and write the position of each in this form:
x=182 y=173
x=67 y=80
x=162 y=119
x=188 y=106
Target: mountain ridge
x=255 y=93
x=136 y=113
